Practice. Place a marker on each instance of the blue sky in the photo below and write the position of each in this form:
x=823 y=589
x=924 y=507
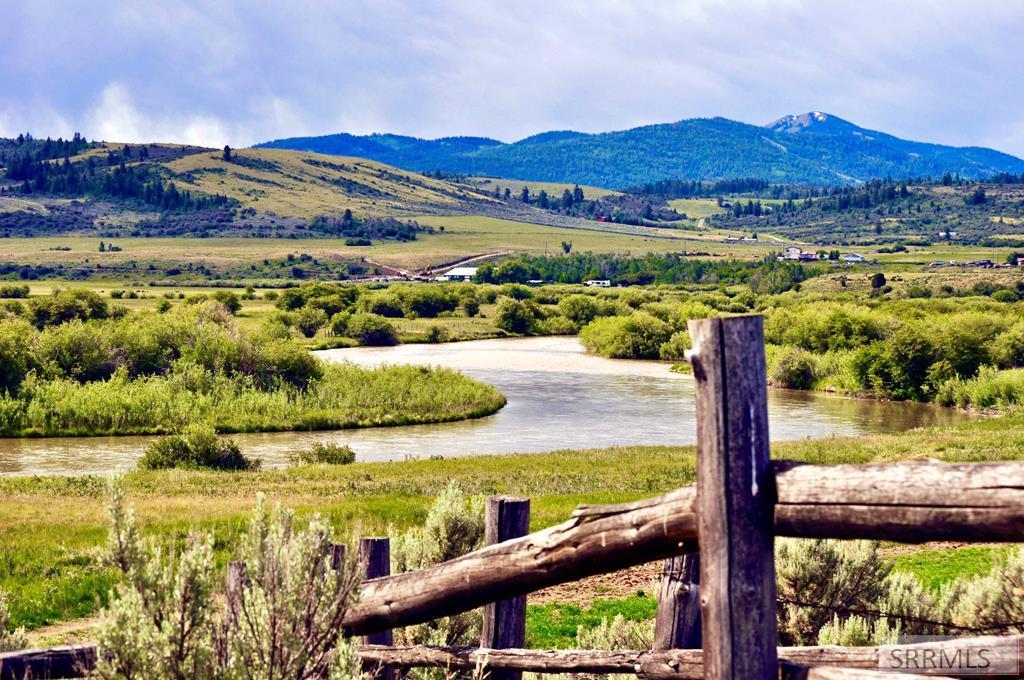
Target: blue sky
x=226 y=71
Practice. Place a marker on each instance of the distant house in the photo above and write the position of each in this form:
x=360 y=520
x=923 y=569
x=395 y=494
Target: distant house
x=458 y=274
x=854 y=257
x=798 y=254
x=598 y=283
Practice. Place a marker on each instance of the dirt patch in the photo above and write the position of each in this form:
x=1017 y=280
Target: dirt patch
x=616 y=585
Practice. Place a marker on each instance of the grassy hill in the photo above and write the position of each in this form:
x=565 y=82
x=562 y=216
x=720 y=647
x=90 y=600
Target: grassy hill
x=300 y=184
x=814 y=148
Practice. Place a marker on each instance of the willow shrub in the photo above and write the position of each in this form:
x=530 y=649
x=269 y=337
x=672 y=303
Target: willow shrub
x=345 y=396
x=638 y=336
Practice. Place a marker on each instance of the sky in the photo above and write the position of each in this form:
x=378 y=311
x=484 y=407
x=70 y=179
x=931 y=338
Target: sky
x=217 y=72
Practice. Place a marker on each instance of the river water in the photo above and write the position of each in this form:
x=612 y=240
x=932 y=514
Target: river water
x=559 y=397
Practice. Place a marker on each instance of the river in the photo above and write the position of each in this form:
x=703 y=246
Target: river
x=559 y=397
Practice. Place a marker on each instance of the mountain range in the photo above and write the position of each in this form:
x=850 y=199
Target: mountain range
x=815 y=148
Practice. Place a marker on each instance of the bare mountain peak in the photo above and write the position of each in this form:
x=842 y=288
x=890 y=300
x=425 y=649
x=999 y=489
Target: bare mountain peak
x=812 y=121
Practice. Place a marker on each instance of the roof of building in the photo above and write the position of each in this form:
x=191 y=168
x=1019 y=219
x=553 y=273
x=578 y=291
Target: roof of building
x=461 y=271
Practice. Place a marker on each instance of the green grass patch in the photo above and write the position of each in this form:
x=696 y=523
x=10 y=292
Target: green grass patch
x=935 y=568
x=554 y=626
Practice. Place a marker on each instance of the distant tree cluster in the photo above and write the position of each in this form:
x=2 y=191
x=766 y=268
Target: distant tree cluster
x=681 y=188
x=362 y=229
x=768 y=275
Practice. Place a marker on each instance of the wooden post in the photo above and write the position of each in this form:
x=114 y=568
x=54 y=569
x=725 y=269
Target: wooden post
x=735 y=499
x=336 y=555
x=504 y=624
x=677 y=625
x=375 y=560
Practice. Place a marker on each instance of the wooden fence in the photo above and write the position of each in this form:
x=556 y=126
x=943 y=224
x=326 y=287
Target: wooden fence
x=721 y=598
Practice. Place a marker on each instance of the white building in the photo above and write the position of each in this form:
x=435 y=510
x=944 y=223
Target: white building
x=854 y=257
x=458 y=274
x=798 y=254
x=598 y=283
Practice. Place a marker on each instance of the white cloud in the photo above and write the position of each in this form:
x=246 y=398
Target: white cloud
x=227 y=71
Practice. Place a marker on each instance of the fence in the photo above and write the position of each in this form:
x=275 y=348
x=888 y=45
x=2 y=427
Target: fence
x=741 y=501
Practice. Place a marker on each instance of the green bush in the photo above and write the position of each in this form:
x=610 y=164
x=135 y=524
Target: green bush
x=638 y=336
x=675 y=348
x=436 y=333
x=309 y=321
x=229 y=299
x=579 y=309
x=67 y=305
x=16 y=353
x=556 y=325
x=14 y=291
x=198 y=448
x=330 y=453
x=517 y=316
x=371 y=329
x=338 y=325
x=792 y=367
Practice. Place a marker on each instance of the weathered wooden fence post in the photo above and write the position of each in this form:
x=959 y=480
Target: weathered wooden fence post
x=504 y=624
x=677 y=625
x=375 y=560
x=735 y=499
x=336 y=555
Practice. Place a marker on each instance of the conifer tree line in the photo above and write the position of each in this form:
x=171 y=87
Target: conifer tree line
x=34 y=167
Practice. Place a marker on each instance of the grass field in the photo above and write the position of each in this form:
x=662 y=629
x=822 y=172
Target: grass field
x=464 y=236
x=50 y=528
x=696 y=208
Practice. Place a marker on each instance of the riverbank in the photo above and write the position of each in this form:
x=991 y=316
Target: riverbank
x=50 y=527
x=554 y=393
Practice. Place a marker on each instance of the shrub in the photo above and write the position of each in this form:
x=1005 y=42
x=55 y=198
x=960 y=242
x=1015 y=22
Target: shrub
x=469 y=306
x=229 y=299
x=16 y=356
x=557 y=325
x=330 y=453
x=815 y=578
x=675 y=348
x=10 y=639
x=436 y=333
x=168 y=622
x=199 y=447
x=619 y=634
x=338 y=325
x=453 y=527
x=792 y=367
x=77 y=350
x=383 y=303
x=1008 y=349
x=14 y=291
x=579 y=309
x=898 y=367
x=638 y=336
x=990 y=602
x=371 y=329
x=309 y=321
x=516 y=316
x=66 y=305
x=516 y=291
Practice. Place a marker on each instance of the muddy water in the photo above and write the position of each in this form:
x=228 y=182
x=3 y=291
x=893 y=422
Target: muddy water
x=558 y=397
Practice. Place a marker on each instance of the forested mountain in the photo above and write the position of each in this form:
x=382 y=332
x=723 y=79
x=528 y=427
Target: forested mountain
x=814 y=148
